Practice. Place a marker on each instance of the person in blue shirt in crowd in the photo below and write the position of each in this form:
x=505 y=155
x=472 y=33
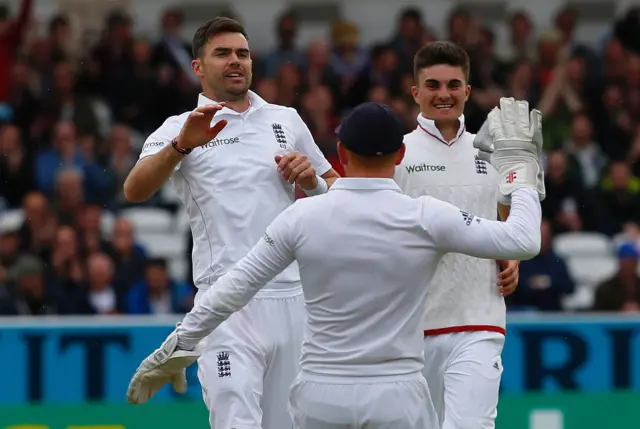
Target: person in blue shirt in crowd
x=544 y=280
x=158 y=293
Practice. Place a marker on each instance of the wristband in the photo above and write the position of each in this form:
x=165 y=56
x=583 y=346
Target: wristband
x=179 y=149
x=321 y=188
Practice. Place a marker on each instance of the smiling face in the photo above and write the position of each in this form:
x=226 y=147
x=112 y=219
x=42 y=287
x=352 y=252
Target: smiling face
x=441 y=91
x=224 y=66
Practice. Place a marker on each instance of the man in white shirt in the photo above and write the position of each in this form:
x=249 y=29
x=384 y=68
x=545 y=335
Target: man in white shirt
x=363 y=350
x=234 y=178
x=464 y=325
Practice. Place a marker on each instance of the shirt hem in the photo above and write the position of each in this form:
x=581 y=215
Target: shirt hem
x=465 y=328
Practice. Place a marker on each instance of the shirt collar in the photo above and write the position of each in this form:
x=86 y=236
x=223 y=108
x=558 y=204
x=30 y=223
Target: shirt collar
x=429 y=127
x=364 y=184
x=255 y=102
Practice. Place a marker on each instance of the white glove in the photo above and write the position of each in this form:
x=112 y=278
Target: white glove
x=163 y=366
x=512 y=139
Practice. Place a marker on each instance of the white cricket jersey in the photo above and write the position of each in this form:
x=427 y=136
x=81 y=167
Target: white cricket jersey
x=230 y=187
x=366 y=253
x=463 y=294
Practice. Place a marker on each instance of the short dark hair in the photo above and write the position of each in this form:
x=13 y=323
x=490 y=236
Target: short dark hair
x=156 y=263
x=441 y=52
x=211 y=28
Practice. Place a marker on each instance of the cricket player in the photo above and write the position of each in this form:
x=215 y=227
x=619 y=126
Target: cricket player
x=366 y=253
x=235 y=175
x=465 y=314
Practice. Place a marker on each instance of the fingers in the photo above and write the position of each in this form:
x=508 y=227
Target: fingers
x=291 y=165
x=508 y=278
x=179 y=382
x=219 y=126
x=508 y=114
x=207 y=110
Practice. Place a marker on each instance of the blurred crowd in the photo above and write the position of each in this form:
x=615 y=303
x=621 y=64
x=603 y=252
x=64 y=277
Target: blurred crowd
x=73 y=122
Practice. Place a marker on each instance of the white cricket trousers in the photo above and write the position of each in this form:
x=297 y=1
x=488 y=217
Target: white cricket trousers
x=375 y=403
x=463 y=371
x=251 y=360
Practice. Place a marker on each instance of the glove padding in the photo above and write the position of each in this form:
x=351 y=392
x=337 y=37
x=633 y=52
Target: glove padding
x=511 y=140
x=165 y=365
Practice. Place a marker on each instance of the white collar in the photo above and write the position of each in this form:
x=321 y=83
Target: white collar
x=429 y=127
x=255 y=102
x=365 y=184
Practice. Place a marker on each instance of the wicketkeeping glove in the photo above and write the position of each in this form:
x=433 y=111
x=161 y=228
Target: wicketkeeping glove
x=511 y=138
x=165 y=365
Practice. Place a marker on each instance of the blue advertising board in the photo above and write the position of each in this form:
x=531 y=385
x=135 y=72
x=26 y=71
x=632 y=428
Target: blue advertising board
x=92 y=359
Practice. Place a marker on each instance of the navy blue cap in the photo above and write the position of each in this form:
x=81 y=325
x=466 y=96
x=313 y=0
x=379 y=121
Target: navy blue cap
x=371 y=129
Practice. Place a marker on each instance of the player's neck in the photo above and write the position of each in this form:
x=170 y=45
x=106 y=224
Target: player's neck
x=448 y=129
x=357 y=171
x=238 y=104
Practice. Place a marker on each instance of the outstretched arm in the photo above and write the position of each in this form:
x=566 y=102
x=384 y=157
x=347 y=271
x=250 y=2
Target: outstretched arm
x=270 y=256
x=454 y=230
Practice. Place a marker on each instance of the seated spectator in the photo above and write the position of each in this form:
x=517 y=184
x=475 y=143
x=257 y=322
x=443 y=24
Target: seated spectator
x=28 y=296
x=101 y=293
x=128 y=256
x=545 y=279
x=89 y=225
x=37 y=233
x=65 y=154
x=584 y=151
x=16 y=168
x=565 y=203
x=158 y=293
x=69 y=198
x=286 y=51
x=620 y=196
x=622 y=292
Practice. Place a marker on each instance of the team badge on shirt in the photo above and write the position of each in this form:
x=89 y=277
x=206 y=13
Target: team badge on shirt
x=481 y=166
x=224 y=365
x=278 y=132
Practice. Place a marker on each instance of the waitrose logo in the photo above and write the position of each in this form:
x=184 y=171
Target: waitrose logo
x=221 y=142
x=424 y=168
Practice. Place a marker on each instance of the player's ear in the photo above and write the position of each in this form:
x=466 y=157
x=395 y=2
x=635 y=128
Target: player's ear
x=467 y=92
x=197 y=67
x=400 y=154
x=414 y=93
x=342 y=154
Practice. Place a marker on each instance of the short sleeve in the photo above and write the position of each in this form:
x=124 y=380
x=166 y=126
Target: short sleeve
x=161 y=138
x=305 y=144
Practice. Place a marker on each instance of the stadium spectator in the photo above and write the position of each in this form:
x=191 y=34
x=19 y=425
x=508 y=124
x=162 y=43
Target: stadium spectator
x=158 y=293
x=620 y=196
x=71 y=117
x=545 y=279
x=621 y=293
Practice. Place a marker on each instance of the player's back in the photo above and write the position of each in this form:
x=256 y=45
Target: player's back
x=364 y=263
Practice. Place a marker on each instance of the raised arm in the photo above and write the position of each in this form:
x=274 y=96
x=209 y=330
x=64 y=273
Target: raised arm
x=270 y=256
x=159 y=159
x=454 y=230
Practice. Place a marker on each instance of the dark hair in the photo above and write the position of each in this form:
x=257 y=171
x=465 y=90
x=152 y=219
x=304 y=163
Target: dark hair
x=156 y=263
x=209 y=29
x=412 y=13
x=441 y=52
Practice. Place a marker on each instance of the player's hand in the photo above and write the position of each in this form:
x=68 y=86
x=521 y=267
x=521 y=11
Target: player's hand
x=197 y=130
x=296 y=168
x=517 y=142
x=508 y=277
x=165 y=365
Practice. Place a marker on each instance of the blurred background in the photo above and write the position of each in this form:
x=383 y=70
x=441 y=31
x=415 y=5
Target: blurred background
x=89 y=285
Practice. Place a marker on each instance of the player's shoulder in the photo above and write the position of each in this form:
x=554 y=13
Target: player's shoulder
x=173 y=123
x=284 y=112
